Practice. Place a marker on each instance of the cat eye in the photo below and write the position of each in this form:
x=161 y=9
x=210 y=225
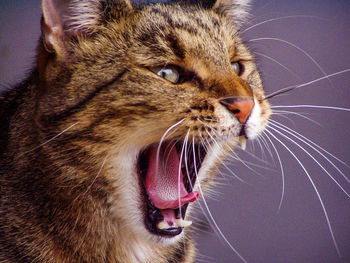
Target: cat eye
x=168 y=73
x=237 y=67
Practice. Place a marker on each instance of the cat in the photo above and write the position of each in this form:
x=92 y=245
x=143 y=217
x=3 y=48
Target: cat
x=121 y=127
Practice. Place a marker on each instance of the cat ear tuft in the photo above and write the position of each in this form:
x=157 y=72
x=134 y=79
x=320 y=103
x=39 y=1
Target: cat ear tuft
x=66 y=18
x=237 y=9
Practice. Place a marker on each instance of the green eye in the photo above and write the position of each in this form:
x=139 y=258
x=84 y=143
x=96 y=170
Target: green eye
x=236 y=66
x=168 y=73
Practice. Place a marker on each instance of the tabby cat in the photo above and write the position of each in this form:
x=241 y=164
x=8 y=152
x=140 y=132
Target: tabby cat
x=124 y=120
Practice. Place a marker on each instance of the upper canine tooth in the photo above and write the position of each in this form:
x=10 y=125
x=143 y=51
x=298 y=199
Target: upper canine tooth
x=183 y=223
x=243 y=141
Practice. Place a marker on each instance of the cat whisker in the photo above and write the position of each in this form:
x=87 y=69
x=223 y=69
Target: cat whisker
x=282 y=171
x=279 y=63
x=289 y=88
x=232 y=154
x=313 y=158
x=179 y=173
x=172 y=144
x=262 y=149
x=314 y=187
x=279 y=18
x=282 y=112
x=234 y=174
x=312 y=106
x=207 y=144
x=298 y=48
x=94 y=180
x=164 y=137
x=212 y=218
x=317 y=146
x=299 y=137
x=267 y=146
x=50 y=140
x=254 y=157
x=192 y=186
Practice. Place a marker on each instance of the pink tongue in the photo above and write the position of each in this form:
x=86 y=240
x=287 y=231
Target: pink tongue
x=164 y=182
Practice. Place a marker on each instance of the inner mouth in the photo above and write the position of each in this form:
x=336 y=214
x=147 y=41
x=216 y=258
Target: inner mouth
x=168 y=175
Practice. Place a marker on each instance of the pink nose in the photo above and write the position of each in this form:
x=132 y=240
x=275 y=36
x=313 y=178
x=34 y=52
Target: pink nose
x=240 y=107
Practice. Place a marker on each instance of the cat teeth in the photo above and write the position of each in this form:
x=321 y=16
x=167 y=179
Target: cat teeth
x=162 y=225
x=243 y=140
x=178 y=223
x=183 y=223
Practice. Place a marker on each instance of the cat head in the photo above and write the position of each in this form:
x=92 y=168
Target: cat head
x=156 y=94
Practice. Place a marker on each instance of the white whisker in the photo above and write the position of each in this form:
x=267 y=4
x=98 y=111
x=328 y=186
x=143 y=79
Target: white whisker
x=50 y=140
x=282 y=172
x=314 y=144
x=192 y=186
x=309 y=83
x=312 y=147
x=279 y=18
x=315 y=189
x=281 y=112
x=163 y=138
x=279 y=63
x=301 y=50
x=311 y=106
x=267 y=146
x=179 y=173
x=211 y=216
x=98 y=174
x=234 y=174
x=261 y=149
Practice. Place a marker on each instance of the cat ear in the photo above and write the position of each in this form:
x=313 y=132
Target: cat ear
x=63 y=19
x=237 y=9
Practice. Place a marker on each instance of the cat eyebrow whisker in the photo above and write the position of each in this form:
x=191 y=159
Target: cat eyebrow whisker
x=280 y=18
x=279 y=63
x=313 y=185
x=298 y=48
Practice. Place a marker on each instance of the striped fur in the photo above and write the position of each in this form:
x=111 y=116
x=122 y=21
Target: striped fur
x=72 y=132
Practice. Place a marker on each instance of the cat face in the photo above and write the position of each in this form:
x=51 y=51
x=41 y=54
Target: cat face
x=157 y=95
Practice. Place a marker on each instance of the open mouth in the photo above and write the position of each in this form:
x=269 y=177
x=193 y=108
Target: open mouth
x=168 y=175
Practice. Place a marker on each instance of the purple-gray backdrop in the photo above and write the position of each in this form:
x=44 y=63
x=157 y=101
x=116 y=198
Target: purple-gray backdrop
x=247 y=213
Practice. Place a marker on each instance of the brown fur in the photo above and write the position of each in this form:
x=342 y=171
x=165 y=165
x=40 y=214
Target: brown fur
x=64 y=196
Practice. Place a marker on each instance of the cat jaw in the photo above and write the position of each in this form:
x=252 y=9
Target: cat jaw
x=122 y=171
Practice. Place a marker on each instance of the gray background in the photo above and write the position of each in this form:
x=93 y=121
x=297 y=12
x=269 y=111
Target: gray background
x=247 y=213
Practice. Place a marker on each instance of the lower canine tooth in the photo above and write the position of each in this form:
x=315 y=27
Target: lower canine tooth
x=243 y=141
x=162 y=225
x=183 y=223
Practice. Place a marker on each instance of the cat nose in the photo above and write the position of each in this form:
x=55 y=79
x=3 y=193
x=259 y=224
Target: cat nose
x=241 y=108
